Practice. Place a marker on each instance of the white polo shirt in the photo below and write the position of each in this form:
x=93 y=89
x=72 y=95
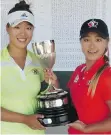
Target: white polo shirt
x=19 y=89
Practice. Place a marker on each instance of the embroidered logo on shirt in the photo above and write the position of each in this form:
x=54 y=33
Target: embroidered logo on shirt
x=76 y=79
x=35 y=71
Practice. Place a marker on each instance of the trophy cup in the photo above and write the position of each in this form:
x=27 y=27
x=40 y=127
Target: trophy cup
x=54 y=104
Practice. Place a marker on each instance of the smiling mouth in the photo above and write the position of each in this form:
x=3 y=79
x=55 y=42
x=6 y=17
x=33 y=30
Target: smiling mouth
x=92 y=52
x=21 y=39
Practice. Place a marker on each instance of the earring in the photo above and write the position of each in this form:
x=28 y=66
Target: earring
x=107 y=52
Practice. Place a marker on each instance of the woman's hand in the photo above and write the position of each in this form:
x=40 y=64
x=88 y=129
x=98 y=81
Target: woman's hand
x=49 y=75
x=79 y=125
x=32 y=121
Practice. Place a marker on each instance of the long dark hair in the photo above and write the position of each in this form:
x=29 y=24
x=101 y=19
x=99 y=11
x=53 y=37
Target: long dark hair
x=95 y=78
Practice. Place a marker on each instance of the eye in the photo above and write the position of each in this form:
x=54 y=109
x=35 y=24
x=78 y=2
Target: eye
x=98 y=39
x=29 y=28
x=17 y=27
x=85 y=39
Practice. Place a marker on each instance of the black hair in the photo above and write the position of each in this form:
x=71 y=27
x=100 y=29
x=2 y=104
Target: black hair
x=85 y=35
x=21 y=6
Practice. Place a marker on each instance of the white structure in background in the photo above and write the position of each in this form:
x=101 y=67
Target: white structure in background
x=61 y=20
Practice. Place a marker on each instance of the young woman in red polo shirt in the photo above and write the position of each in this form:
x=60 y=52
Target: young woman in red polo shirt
x=90 y=83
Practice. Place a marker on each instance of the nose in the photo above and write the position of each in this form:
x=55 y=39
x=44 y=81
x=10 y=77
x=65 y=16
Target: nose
x=91 y=44
x=22 y=31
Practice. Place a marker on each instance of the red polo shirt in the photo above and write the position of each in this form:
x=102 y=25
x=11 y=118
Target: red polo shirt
x=90 y=110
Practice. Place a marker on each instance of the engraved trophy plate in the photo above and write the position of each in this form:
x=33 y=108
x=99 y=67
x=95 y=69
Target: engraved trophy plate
x=55 y=105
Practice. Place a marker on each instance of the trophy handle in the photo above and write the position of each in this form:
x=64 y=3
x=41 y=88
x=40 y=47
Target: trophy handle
x=50 y=87
x=45 y=91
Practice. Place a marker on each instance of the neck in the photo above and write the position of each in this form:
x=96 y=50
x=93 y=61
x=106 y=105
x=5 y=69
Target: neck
x=89 y=64
x=17 y=52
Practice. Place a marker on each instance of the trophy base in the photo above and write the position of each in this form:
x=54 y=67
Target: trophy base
x=58 y=116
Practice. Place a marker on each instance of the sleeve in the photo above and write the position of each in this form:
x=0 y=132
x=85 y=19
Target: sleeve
x=106 y=88
x=70 y=80
x=72 y=76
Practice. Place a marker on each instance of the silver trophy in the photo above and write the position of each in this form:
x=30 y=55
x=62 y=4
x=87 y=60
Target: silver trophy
x=45 y=51
x=53 y=103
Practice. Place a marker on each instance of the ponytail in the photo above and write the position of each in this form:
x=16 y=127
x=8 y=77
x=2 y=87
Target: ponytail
x=95 y=78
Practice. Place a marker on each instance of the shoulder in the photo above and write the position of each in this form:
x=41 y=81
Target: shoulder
x=3 y=54
x=106 y=76
x=80 y=68
x=107 y=72
x=105 y=84
x=31 y=54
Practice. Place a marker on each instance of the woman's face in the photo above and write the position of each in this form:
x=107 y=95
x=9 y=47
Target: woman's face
x=93 y=46
x=20 y=35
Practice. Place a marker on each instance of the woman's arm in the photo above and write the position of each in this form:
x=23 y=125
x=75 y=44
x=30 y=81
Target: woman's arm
x=29 y=120
x=10 y=116
x=103 y=126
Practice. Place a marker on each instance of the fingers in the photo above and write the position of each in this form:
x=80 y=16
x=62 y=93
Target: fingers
x=39 y=116
x=47 y=70
x=48 y=74
x=78 y=121
x=37 y=125
x=77 y=124
x=40 y=127
x=71 y=124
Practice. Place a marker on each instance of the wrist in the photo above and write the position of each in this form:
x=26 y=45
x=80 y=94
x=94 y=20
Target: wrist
x=85 y=129
x=56 y=83
x=24 y=119
x=88 y=129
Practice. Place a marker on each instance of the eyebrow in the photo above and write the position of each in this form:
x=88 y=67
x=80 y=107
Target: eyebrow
x=29 y=24
x=95 y=36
